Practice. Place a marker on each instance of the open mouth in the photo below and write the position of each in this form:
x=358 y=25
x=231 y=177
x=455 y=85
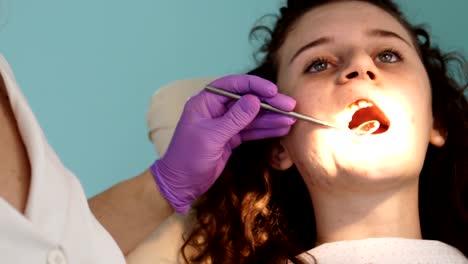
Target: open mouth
x=366 y=112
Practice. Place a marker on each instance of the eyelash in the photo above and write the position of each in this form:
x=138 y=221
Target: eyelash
x=394 y=51
x=314 y=62
x=325 y=60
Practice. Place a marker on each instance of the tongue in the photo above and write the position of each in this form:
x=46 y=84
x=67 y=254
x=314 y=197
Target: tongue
x=363 y=115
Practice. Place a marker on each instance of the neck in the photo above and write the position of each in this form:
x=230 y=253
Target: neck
x=14 y=162
x=353 y=216
x=3 y=93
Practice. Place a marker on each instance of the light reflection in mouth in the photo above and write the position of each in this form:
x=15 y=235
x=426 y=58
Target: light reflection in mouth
x=367 y=128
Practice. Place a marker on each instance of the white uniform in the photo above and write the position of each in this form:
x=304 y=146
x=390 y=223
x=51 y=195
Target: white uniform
x=58 y=226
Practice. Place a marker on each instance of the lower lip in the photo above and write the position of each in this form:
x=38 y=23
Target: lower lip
x=381 y=130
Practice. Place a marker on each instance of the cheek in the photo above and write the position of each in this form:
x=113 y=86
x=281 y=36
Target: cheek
x=411 y=86
x=309 y=93
x=419 y=98
x=299 y=140
x=412 y=119
x=309 y=99
x=312 y=160
x=302 y=141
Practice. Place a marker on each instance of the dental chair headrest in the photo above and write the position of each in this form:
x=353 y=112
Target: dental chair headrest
x=166 y=108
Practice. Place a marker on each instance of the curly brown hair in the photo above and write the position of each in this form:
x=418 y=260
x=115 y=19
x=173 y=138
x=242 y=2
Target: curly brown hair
x=256 y=214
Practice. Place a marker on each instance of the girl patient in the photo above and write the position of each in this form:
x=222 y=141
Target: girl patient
x=320 y=195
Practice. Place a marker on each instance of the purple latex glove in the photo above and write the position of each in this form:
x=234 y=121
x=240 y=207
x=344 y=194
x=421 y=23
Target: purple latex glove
x=210 y=127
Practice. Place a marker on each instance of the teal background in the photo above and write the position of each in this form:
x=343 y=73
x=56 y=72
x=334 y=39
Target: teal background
x=89 y=67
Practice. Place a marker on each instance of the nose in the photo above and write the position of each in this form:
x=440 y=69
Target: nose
x=359 y=66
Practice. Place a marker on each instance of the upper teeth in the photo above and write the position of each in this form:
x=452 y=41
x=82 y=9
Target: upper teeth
x=353 y=108
x=360 y=104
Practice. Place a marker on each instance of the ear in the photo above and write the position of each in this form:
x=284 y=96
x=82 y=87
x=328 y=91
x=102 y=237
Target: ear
x=437 y=136
x=279 y=157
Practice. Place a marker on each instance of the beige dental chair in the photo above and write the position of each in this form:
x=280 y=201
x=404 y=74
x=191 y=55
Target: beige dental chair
x=163 y=245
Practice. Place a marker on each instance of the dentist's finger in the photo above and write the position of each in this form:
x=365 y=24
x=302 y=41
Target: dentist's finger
x=267 y=120
x=246 y=84
x=239 y=116
x=256 y=134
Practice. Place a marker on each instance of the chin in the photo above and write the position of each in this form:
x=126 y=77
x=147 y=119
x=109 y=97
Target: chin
x=386 y=177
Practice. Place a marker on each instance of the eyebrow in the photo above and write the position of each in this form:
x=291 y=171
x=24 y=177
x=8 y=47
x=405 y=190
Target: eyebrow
x=326 y=40
x=315 y=43
x=386 y=34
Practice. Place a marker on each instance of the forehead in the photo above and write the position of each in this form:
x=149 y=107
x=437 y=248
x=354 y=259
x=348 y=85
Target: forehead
x=346 y=20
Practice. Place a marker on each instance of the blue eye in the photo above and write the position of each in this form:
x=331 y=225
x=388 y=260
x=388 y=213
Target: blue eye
x=318 y=65
x=389 y=56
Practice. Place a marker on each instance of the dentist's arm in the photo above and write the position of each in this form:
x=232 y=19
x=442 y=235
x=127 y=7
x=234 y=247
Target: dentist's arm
x=131 y=210
x=210 y=127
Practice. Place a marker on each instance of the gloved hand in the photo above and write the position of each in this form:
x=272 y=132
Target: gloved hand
x=210 y=127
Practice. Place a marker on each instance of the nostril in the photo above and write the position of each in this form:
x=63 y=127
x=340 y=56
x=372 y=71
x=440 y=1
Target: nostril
x=371 y=75
x=352 y=75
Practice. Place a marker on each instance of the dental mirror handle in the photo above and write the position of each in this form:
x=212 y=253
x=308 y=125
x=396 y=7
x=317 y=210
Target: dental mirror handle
x=274 y=109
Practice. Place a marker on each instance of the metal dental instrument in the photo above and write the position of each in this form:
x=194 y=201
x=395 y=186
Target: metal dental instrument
x=371 y=125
